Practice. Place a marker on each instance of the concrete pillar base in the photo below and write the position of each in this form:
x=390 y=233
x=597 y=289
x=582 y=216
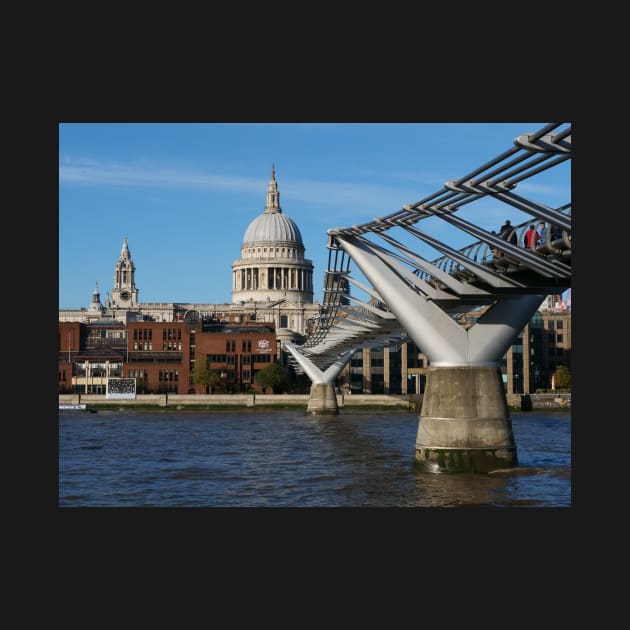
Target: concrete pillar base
x=323 y=399
x=465 y=424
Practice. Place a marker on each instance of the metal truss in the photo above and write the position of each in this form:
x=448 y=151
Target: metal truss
x=480 y=275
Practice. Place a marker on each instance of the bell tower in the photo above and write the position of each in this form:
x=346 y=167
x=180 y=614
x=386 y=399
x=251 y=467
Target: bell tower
x=124 y=293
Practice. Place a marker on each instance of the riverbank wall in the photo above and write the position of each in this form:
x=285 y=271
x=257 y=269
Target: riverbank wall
x=238 y=400
x=410 y=402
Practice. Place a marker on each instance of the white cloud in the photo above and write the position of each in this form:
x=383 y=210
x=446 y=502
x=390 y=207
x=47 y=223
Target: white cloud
x=363 y=197
x=87 y=172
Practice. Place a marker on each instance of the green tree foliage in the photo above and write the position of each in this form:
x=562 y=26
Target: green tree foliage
x=216 y=382
x=201 y=375
x=562 y=377
x=273 y=376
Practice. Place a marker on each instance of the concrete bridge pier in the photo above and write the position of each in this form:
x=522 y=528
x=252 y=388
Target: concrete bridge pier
x=465 y=424
x=323 y=399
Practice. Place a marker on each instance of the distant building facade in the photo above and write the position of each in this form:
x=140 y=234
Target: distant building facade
x=541 y=347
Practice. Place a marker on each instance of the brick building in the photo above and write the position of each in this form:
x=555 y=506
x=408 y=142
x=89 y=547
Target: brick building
x=161 y=356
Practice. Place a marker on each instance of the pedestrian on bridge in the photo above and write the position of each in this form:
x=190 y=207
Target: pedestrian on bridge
x=556 y=233
x=542 y=231
x=508 y=232
x=497 y=253
x=531 y=237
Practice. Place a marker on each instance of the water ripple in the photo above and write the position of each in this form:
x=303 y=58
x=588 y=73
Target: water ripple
x=292 y=459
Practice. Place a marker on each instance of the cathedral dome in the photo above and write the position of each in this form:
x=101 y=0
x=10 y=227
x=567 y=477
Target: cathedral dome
x=272 y=267
x=273 y=228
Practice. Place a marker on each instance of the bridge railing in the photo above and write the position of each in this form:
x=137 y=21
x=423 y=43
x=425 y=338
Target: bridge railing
x=485 y=253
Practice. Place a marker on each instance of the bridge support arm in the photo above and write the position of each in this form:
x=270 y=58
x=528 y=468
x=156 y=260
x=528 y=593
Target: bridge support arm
x=497 y=329
x=313 y=372
x=434 y=331
x=323 y=397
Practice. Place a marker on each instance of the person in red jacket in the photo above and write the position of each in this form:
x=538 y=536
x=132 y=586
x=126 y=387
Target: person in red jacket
x=531 y=237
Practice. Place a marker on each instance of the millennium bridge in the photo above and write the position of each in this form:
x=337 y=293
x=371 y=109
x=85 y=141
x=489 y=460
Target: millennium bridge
x=396 y=292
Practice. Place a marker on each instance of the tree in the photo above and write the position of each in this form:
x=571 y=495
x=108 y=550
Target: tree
x=201 y=375
x=274 y=376
x=216 y=381
x=562 y=377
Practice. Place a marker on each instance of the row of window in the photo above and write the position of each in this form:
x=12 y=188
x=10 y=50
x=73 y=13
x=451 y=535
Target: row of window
x=102 y=333
x=80 y=372
x=172 y=345
x=229 y=359
x=168 y=375
x=147 y=345
x=142 y=334
x=289 y=252
x=172 y=333
x=174 y=358
x=246 y=359
x=558 y=323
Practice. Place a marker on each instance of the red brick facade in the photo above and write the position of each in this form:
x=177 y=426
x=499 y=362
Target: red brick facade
x=161 y=355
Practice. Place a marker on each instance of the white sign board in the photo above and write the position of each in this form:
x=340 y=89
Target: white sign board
x=121 y=388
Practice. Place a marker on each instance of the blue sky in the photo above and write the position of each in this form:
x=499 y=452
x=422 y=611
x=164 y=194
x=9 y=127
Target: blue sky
x=185 y=193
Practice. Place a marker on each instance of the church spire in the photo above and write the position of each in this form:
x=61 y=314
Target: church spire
x=124 y=293
x=273 y=194
x=124 y=252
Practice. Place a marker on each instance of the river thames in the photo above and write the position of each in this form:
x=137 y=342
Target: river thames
x=292 y=459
